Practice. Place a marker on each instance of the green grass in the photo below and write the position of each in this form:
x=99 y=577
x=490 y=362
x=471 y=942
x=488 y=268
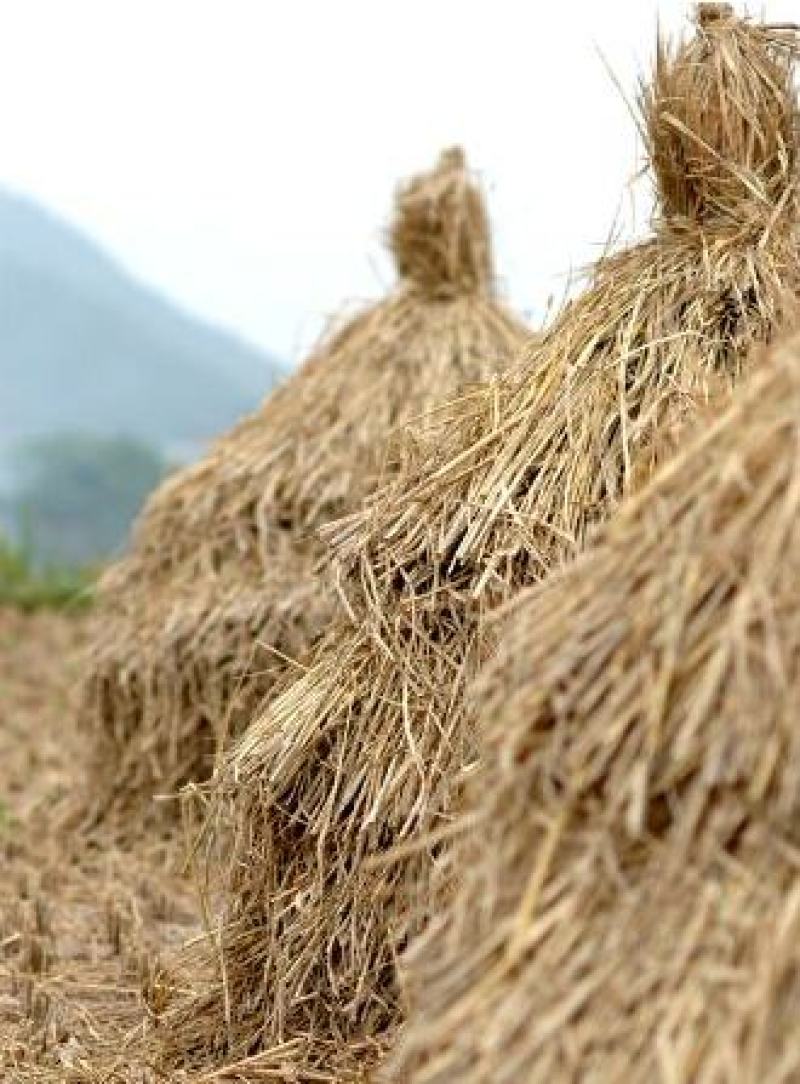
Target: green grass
x=7 y=819
x=29 y=587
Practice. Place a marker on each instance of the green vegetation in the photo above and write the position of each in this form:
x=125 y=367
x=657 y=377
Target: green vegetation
x=7 y=819
x=77 y=495
x=88 y=354
x=29 y=587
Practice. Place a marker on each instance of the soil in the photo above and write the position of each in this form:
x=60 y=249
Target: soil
x=85 y=922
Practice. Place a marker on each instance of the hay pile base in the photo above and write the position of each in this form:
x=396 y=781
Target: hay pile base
x=219 y=593
x=217 y=647
x=628 y=902
x=339 y=801
x=83 y=926
x=310 y=916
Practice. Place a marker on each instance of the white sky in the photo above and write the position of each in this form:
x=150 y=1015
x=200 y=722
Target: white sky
x=241 y=154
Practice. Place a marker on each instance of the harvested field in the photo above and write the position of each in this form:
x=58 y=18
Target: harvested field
x=83 y=925
x=440 y=725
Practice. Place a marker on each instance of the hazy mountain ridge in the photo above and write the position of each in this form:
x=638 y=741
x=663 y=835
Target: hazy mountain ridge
x=86 y=347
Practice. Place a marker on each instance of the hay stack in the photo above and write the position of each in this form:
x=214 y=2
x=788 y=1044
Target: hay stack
x=340 y=796
x=629 y=897
x=220 y=588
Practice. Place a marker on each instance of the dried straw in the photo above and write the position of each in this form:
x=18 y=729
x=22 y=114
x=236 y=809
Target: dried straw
x=628 y=903
x=339 y=799
x=220 y=591
x=710 y=150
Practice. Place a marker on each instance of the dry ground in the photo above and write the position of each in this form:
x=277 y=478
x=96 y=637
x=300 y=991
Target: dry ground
x=88 y=924
x=83 y=923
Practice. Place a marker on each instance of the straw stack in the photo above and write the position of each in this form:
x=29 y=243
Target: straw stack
x=628 y=905
x=220 y=592
x=339 y=799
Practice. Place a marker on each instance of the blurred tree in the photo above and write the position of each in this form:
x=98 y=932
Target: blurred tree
x=28 y=587
x=77 y=495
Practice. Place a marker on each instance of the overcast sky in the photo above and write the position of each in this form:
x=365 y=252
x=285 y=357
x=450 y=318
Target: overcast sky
x=241 y=154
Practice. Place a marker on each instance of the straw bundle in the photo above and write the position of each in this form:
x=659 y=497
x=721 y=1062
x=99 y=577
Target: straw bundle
x=628 y=905
x=523 y=469
x=340 y=797
x=220 y=589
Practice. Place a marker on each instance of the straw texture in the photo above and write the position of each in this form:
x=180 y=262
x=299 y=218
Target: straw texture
x=339 y=800
x=220 y=591
x=628 y=880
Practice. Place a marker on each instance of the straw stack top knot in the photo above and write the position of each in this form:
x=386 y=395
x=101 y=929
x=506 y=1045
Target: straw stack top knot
x=710 y=13
x=440 y=234
x=721 y=118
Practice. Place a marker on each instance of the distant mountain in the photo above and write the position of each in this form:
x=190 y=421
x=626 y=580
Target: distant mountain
x=85 y=347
